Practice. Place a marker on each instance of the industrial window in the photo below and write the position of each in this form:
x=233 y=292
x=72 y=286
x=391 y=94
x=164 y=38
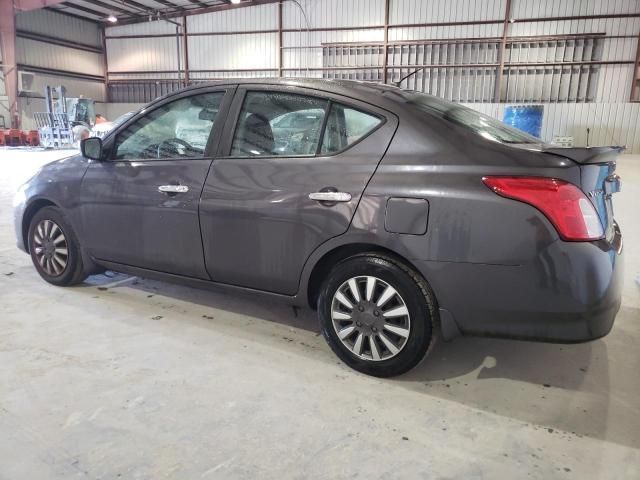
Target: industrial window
x=179 y=129
x=548 y=69
x=345 y=126
x=278 y=124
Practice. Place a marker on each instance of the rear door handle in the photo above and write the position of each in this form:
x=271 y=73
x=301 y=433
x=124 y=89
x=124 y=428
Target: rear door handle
x=173 y=189
x=330 y=196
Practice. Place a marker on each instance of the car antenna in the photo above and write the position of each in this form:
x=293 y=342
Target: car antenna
x=397 y=84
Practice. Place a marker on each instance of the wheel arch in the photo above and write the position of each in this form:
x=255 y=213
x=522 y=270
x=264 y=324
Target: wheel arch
x=34 y=207
x=332 y=257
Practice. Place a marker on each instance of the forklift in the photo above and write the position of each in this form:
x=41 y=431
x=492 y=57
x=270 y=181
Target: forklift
x=65 y=120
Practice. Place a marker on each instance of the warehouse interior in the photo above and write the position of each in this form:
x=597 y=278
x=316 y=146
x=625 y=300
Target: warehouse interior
x=130 y=377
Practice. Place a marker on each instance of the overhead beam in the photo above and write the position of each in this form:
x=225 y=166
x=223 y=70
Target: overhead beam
x=39 y=37
x=171 y=5
x=82 y=8
x=26 y=5
x=136 y=5
x=112 y=8
x=66 y=13
x=198 y=3
x=199 y=11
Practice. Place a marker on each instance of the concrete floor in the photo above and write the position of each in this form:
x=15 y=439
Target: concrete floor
x=144 y=379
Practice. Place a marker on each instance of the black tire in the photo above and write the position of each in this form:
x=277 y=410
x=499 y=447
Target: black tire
x=413 y=291
x=73 y=271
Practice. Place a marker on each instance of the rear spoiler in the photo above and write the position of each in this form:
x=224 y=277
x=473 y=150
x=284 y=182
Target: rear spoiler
x=586 y=155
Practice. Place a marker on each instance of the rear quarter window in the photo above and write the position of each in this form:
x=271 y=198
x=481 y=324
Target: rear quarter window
x=345 y=126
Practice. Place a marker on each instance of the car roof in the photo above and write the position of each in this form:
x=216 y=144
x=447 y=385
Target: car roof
x=374 y=93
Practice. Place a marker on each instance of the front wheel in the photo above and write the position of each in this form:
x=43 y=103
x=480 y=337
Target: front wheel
x=377 y=314
x=53 y=247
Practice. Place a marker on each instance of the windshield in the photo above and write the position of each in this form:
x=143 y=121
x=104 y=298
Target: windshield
x=483 y=125
x=122 y=118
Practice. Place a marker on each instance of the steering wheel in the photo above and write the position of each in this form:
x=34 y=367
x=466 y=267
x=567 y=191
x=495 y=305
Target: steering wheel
x=170 y=146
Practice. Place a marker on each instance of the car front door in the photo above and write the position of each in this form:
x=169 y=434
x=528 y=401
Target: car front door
x=139 y=206
x=289 y=175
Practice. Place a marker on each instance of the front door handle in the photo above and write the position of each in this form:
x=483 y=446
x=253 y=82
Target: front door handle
x=173 y=189
x=330 y=196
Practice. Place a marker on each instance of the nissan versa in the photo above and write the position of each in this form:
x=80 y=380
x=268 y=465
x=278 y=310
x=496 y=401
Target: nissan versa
x=394 y=213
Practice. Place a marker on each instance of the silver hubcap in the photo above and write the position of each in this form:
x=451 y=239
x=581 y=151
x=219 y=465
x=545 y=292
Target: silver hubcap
x=51 y=249
x=370 y=318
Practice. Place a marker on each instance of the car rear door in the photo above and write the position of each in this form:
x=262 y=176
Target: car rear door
x=139 y=206
x=290 y=172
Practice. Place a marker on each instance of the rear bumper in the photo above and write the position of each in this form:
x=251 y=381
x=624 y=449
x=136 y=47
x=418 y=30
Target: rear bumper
x=571 y=293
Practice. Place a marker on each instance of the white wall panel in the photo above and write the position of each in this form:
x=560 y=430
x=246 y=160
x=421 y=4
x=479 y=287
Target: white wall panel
x=46 y=55
x=312 y=57
x=420 y=11
x=157 y=27
x=219 y=75
x=563 y=8
x=614 y=83
x=145 y=76
x=47 y=22
x=261 y=17
x=455 y=31
x=611 y=26
x=233 y=51
x=333 y=13
x=124 y=55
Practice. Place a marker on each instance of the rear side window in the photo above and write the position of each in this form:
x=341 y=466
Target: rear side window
x=345 y=126
x=279 y=124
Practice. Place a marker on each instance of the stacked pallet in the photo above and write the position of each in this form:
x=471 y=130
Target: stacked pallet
x=12 y=137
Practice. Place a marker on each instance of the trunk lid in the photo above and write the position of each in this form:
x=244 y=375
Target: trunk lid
x=597 y=175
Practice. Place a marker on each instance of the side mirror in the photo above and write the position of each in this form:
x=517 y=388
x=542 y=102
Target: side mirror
x=92 y=148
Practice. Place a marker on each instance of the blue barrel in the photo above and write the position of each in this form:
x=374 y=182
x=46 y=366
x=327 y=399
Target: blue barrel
x=527 y=118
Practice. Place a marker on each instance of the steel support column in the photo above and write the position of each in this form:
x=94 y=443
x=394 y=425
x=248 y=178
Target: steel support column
x=501 y=52
x=385 y=57
x=280 y=42
x=9 y=63
x=185 y=49
x=635 y=85
x=105 y=63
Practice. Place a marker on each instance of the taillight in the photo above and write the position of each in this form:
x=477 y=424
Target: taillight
x=564 y=204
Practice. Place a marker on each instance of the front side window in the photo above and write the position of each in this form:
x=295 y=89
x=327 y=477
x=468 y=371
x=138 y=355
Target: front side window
x=278 y=124
x=179 y=129
x=345 y=126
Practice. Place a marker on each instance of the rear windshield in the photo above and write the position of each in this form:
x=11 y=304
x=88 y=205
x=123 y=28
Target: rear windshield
x=487 y=127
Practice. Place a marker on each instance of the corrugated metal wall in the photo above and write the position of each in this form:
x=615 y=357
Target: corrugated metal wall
x=35 y=53
x=58 y=50
x=60 y=26
x=454 y=35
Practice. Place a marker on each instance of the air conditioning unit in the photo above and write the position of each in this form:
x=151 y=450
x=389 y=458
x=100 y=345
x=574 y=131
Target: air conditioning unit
x=26 y=81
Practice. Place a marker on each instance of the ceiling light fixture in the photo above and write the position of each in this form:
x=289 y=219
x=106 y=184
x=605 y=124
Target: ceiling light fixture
x=235 y=1
x=112 y=18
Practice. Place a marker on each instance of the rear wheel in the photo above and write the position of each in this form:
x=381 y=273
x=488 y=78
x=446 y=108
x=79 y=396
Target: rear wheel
x=54 y=250
x=377 y=314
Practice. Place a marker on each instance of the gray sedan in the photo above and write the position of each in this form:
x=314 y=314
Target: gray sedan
x=396 y=214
